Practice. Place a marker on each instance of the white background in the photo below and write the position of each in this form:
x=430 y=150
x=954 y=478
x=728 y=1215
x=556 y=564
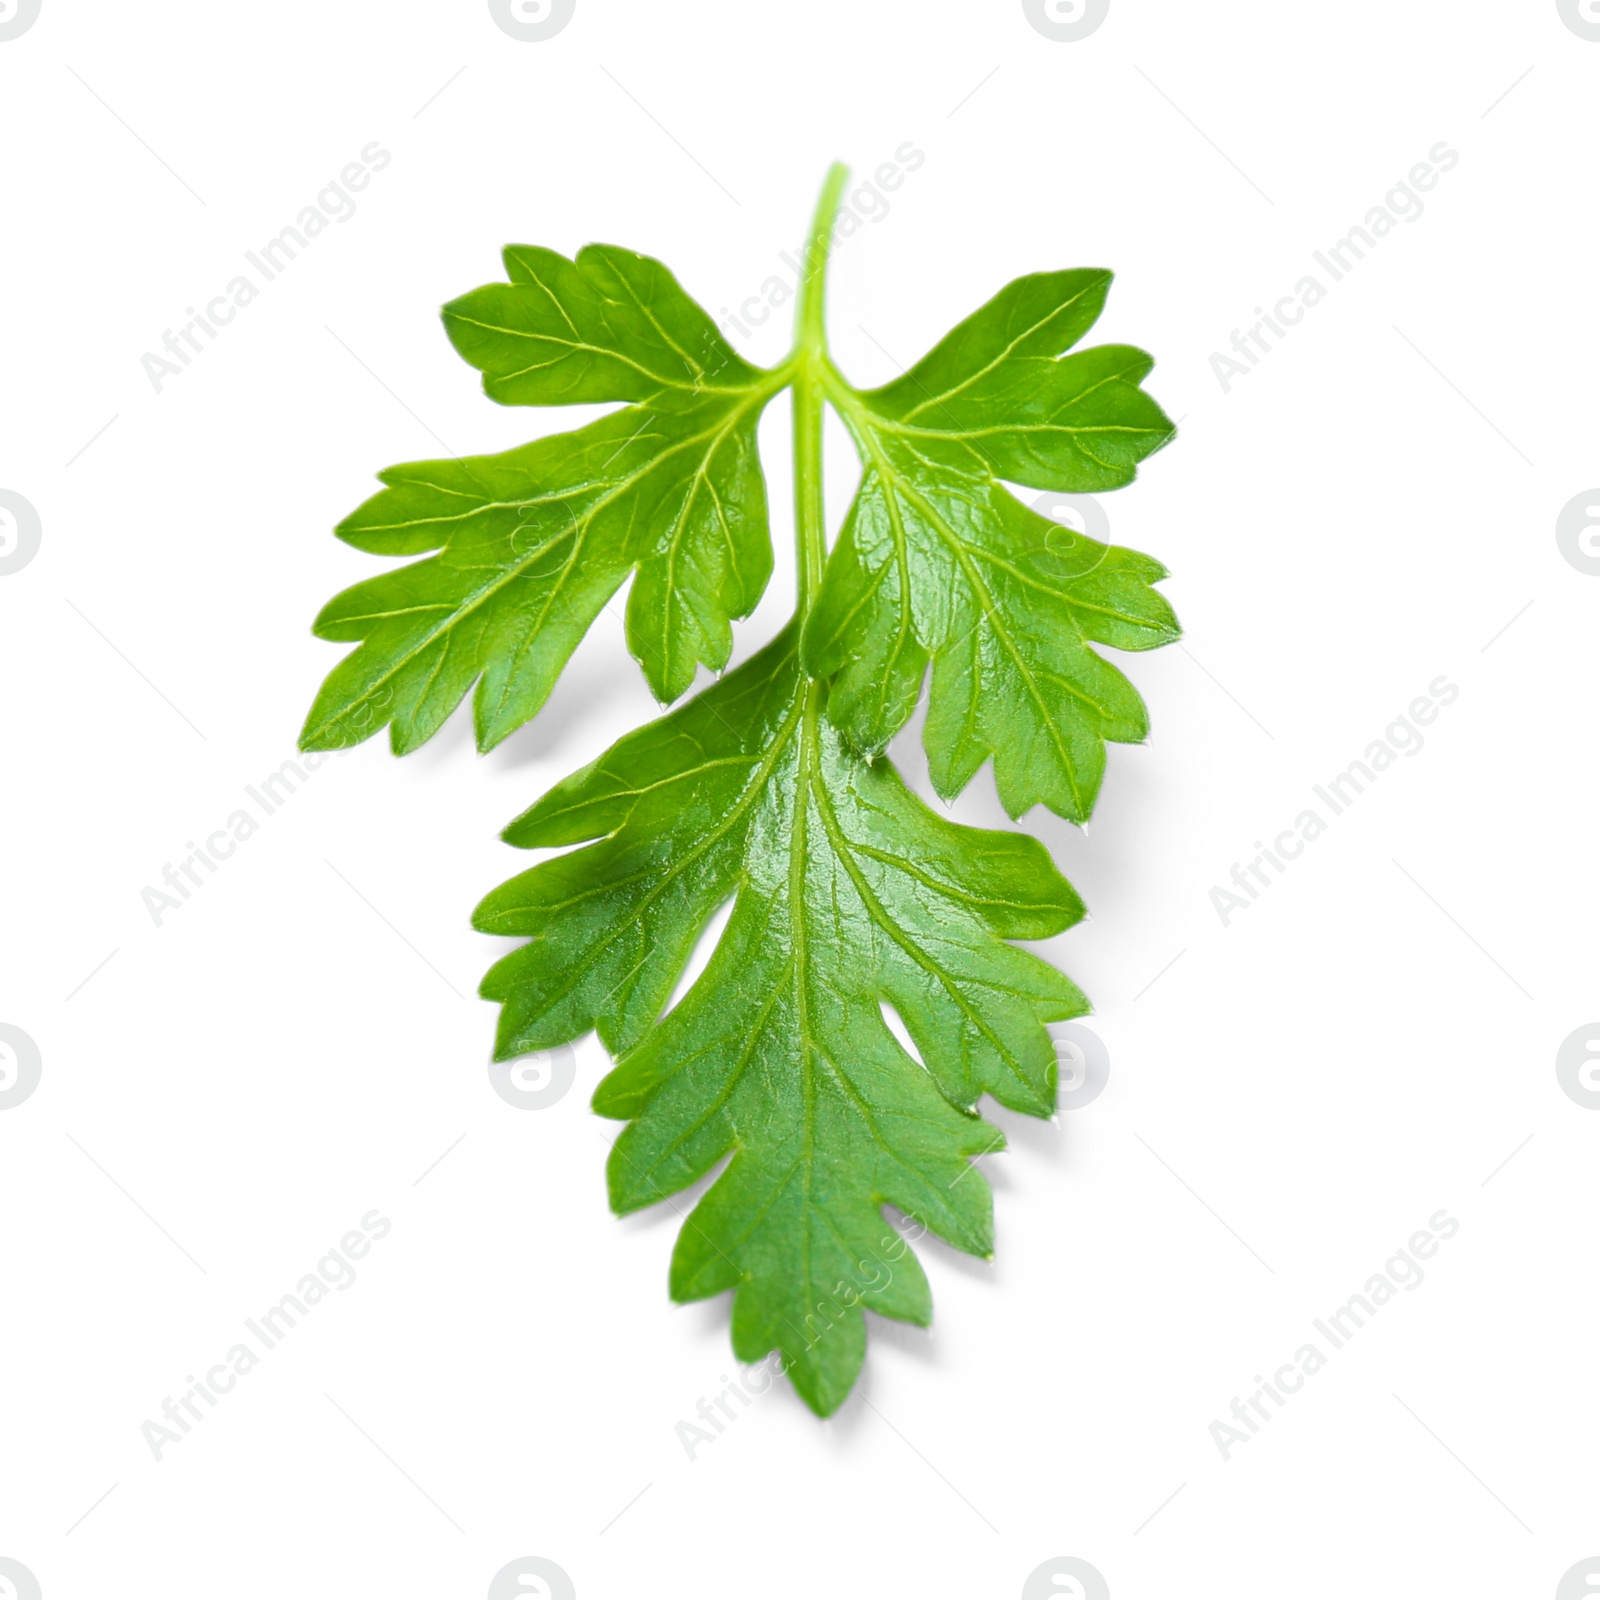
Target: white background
x=225 y=1095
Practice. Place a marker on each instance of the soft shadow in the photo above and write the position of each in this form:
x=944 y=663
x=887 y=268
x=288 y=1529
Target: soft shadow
x=603 y=691
x=453 y=743
x=1036 y=1136
x=673 y=1211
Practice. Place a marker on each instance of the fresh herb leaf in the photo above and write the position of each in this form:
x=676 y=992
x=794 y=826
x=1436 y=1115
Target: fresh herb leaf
x=939 y=561
x=608 y=325
x=852 y=904
x=999 y=382
x=848 y=894
x=533 y=542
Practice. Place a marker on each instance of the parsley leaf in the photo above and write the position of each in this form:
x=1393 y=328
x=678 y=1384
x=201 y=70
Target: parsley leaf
x=939 y=561
x=848 y=892
x=856 y=915
x=608 y=325
x=534 y=541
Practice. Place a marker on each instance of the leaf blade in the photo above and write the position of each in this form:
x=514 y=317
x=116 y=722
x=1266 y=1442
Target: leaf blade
x=849 y=894
x=938 y=564
x=531 y=544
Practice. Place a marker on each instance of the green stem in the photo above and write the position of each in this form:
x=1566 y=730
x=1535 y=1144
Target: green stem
x=810 y=366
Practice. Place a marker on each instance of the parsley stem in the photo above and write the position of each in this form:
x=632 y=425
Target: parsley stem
x=810 y=374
